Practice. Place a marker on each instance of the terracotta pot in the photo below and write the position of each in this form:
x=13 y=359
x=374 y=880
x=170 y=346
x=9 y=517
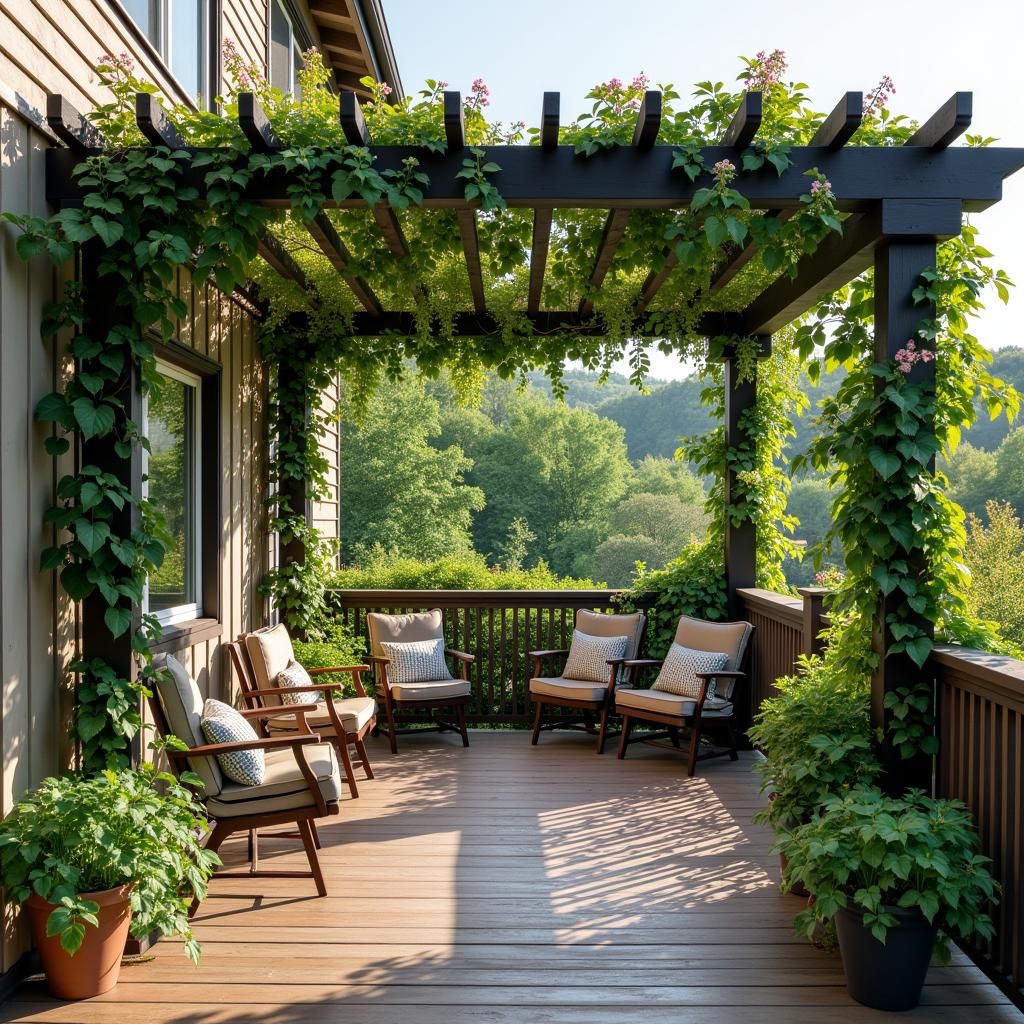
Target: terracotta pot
x=97 y=964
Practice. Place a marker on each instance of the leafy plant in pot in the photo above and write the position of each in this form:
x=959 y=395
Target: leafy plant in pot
x=95 y=858
x=816 y=734
x=899 y=876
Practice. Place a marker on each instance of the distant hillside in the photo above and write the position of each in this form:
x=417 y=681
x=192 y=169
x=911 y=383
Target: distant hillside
x=585 y=391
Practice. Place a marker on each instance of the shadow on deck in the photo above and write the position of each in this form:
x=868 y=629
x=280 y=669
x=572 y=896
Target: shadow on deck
x=514 y=885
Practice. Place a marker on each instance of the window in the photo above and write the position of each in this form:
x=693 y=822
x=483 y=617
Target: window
x=178 y=31
x=173 y=474
x=285 y=51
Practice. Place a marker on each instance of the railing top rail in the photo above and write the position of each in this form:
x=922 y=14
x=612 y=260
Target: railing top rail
x=778 y=606
x=474 y=598
x=998 y=673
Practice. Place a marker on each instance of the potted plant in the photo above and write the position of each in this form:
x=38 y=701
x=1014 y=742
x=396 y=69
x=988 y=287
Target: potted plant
x=899 y=876
x=96 y=858
x=816 y=735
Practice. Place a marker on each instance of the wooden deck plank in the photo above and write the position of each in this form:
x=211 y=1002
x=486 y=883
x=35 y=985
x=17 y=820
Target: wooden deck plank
x=506 y=884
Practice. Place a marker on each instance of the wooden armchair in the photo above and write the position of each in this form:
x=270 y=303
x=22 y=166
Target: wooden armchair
x=258 y=657
x=398 y=694
x=700 y=714
x=586 y=698
x=302 y=781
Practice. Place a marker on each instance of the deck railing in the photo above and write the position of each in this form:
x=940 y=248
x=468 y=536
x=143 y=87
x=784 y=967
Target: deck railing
x=499 y=627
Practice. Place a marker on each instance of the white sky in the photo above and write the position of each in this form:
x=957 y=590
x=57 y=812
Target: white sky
x=930 y=49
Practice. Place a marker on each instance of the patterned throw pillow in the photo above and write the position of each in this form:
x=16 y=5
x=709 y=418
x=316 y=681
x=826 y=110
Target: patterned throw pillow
x=296 y=676
x=589 y=656
x=221 y=723
x=679 y=670
x=421 y=661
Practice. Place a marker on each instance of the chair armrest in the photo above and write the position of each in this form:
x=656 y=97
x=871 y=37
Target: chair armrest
x=276 y=712
x=260 y=743
x=548 y=654
x=616 y=661
x=642 y=662
x=377 y=659
x=727 y=675
x=304 y=688
x=339 y=668
x=461 y=656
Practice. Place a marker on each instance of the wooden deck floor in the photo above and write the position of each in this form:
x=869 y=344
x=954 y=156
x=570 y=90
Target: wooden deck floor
x=506 y=884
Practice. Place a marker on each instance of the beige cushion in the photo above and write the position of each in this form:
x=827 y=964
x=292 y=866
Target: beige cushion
x=631 y=626
x=627 y=701
x=354 y=712
x=270 y=651
x=435 y=690
x=284 y=787
x=419 y=661
x=729 y=637
x=572 y=689
x=679 y=671
x=182 y=704
x=589 y=656
x=402 y=629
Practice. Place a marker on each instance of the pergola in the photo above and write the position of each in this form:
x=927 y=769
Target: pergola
x=900 y=202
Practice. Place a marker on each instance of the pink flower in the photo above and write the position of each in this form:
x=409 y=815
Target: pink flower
x=640 y=82
x=442 y=85
x=614 y=83
x=766 y=70
x=879 y=96
x=385 y=89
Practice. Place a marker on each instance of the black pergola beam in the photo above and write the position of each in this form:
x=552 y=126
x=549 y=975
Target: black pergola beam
x=255 y=124
x=648 y=120
x=611 y=236
x=745 y=122
x=948 y=123
x=627 y=178
x=325 y=236
x=471 y=250
x=155 y=123
x=280 y=260
x=454 y=121
x=655 y=279
x=71 y=127
x=539 y=256
x=839 y=126
x=839 y=259
x=353 y=124
x=549 y=121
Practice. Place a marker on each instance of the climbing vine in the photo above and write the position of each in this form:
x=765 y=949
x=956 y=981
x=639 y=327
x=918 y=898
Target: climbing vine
x=139 y=222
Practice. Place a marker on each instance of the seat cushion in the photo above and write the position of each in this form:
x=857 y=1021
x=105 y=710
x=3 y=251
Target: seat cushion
x=355 y=712
x=589 y=656
x=571 y=689
x=182 y=705
x=662 y=703
x=679 y=670
x=295 y=677
x=435 y=689
x=270 y=651
x=284 y=787
x=421 y=661
x=223 y=724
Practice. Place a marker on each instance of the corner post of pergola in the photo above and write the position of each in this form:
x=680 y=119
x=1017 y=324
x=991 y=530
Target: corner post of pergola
x=741 y=537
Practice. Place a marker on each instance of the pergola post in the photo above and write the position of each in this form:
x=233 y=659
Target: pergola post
x=741 y=539
x=898 y=267
x=290 y=378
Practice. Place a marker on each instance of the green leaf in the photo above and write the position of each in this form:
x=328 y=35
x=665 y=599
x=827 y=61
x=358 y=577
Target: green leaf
x=92 y=536
x=715 y=231
x=919 y=649
x=118 y=620
x=111 y=231
x=95 y=420
x=886 y=463
x=52 y=407
x=75 y=581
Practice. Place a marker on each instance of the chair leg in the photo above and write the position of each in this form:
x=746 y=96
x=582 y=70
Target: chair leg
x=361 y=748
x=392 y=734
x=462 y=724
x=221 y=830
x=627 y=724
x=733 y=752
x=673 y=735
x=306 y=831
x=691 y=763
x=537 y=719
x=603 y=729
x=315 y=834
x=346 y=765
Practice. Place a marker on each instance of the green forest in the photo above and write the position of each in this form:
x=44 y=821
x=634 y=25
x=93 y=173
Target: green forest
x=584 y=488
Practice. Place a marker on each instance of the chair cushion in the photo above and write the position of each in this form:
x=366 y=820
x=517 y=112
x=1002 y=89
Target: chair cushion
x=295 y=676
x=421 y=661
x=679 y=670
x=182 y=705
x=406 y=628
x=572 y=689
x=731 y=637
x=354 y=712
x=631 y=702
x=589 y=656
x=270 y=651
x=284 y=787
x=221 y=723
x=598 y=624
x=435 y=689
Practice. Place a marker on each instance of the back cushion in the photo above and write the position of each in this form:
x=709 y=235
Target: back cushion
x=630 y=626
x=403 y=629
x=223 y=724
x=421 y=661
x=589 y=656
x=270 y=651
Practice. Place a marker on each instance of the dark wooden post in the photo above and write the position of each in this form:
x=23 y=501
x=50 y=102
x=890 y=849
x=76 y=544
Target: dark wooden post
x=898 y=267
x=814 y=601
x=104 y=314
x=741 y=540
x=290 y=377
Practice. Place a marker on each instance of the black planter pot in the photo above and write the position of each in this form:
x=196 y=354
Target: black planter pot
x=889 y=976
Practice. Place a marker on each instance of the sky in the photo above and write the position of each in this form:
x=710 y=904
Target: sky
x=930 y=49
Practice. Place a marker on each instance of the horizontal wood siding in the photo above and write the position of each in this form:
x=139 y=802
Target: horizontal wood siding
x=981 y=762
x=498 y=627
x=245 y=24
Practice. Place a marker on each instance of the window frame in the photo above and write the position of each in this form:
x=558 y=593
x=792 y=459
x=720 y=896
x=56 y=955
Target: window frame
x=191 y=610
x=293 y=79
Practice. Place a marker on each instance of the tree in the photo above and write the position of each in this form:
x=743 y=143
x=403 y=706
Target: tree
x=664 y=519
x=397 y=491
x=615 y=559
x=972 y=478
x=512 y=554
x=658 y=475
x=1009 y=485
x=995 y=556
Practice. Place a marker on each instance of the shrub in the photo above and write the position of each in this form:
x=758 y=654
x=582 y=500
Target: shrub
x=338 y=648
x=995 y=556
x=817 y=737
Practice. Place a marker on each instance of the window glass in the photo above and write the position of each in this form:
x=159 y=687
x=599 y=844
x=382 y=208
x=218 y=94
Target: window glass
x=280 y=48
x=172 y=486
x=185 y=49
x=144 y=13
